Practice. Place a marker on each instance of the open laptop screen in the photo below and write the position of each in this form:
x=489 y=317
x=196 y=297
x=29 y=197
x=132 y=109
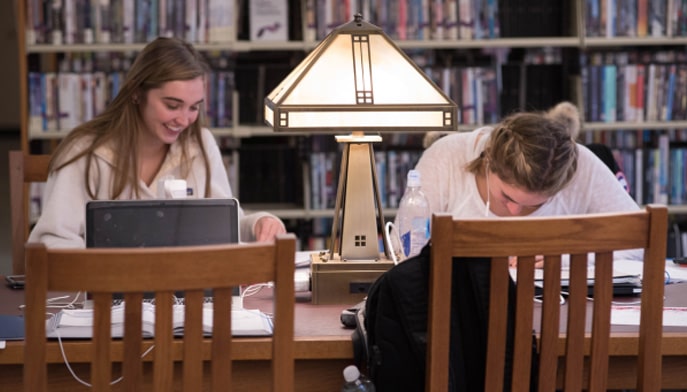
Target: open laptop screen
x=168 y=222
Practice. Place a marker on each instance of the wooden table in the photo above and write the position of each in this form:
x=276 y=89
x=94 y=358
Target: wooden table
x=323 y=349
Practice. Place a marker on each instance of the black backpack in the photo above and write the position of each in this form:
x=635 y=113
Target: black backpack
x=390 y=338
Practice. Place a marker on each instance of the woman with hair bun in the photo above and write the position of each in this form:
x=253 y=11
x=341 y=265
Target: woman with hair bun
x=527 y=165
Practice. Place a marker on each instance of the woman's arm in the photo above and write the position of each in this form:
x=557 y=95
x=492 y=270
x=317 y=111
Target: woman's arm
x=63 y=210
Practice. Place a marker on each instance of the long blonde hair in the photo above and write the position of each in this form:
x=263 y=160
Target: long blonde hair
x=161 y=61
x=535 y=151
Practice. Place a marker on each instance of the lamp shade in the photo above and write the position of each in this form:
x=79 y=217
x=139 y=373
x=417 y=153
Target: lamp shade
x=355 y=80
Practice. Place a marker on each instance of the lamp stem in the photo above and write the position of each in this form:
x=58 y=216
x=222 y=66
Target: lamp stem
x=357 y=198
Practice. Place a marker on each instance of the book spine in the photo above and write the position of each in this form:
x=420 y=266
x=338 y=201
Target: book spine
x=640 y=114
x=424 y=20
x=651 y=112
x=162 y=21
x=190 y=23
x=437 y=18
x=670 y=93
x=56 y=23
x=592 y=18
x=452 y=21
x=36 y=122
x=99 y=92
x=310 y=25
x=221 y=21
x=630 y=92
x=69 y=20
x=663 y=153
x=202 y=21
x=609 y=91
x=87 y=110
x=103 y=31
x=642 y=18
x=134 y=30
x=153 y=31
x=69 y=91
x=402 y=21
x=85 y=21
x=34 y=22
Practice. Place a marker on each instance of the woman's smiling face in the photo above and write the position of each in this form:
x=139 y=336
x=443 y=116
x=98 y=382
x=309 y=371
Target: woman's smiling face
x=171 y=108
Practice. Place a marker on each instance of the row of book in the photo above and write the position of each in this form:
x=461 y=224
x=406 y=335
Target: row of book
x=444 y=19
x=127 y=21
x=654 y=162
x=436 y=20
x=625 y=88
x=201 y=21
x=656 y=175
x=475 y=91
x=636 y=18
x=60 y=101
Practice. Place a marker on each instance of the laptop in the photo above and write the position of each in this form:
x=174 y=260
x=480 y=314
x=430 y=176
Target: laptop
x=163 y=222
x=166 y=222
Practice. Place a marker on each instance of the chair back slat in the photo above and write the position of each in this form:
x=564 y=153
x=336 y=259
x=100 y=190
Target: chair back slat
x=495 y=356
x=221 y=349
x=193 y=336
x=576 y=322
x=132 y=369
x=550 y=326
x=24 y=169
x=101 y=366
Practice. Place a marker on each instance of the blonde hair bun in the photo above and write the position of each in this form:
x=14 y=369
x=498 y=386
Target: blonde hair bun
x=568 y=114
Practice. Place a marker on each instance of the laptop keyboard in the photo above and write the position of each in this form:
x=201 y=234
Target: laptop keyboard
x=236 y=301
x=177 y=301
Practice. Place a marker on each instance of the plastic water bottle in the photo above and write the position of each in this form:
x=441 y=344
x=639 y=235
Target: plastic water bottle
x=356 y=382
x=413 y=216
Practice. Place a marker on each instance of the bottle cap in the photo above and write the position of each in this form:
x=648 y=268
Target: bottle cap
x=351 y=373
x=413 y=178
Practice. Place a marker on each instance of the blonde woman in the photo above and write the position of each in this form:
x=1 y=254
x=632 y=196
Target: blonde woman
x=152 y=130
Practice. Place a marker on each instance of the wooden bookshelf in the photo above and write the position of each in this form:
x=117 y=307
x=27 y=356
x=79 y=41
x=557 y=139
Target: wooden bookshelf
x=454 y=52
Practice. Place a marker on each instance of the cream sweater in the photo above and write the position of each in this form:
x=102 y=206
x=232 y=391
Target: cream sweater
x=62 y=220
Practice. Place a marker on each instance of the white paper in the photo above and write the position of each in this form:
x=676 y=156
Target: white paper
x=629 y=315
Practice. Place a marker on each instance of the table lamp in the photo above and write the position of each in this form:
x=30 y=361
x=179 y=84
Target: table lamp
x=358 y=81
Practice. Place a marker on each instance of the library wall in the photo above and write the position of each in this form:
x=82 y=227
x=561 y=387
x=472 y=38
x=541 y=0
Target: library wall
x=492 y=58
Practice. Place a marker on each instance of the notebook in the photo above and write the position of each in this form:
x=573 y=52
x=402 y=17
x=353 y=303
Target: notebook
x=11 y=327
x=624 y=283
x=167 y=222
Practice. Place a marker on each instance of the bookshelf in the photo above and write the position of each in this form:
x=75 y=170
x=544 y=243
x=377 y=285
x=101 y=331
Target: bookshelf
x=548 y=47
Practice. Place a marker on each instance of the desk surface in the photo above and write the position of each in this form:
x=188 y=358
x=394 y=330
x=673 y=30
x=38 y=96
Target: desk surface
x=323 y=344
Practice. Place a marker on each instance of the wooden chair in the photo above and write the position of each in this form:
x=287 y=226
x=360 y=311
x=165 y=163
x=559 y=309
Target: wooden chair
x=163 y=271
x=496 y=240
x=24 y=169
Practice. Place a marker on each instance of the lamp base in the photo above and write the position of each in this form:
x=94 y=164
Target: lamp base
x=344 y=282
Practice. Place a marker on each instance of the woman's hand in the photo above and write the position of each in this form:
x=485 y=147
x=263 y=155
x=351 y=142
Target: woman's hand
x=538 y=261
x=267 y=228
